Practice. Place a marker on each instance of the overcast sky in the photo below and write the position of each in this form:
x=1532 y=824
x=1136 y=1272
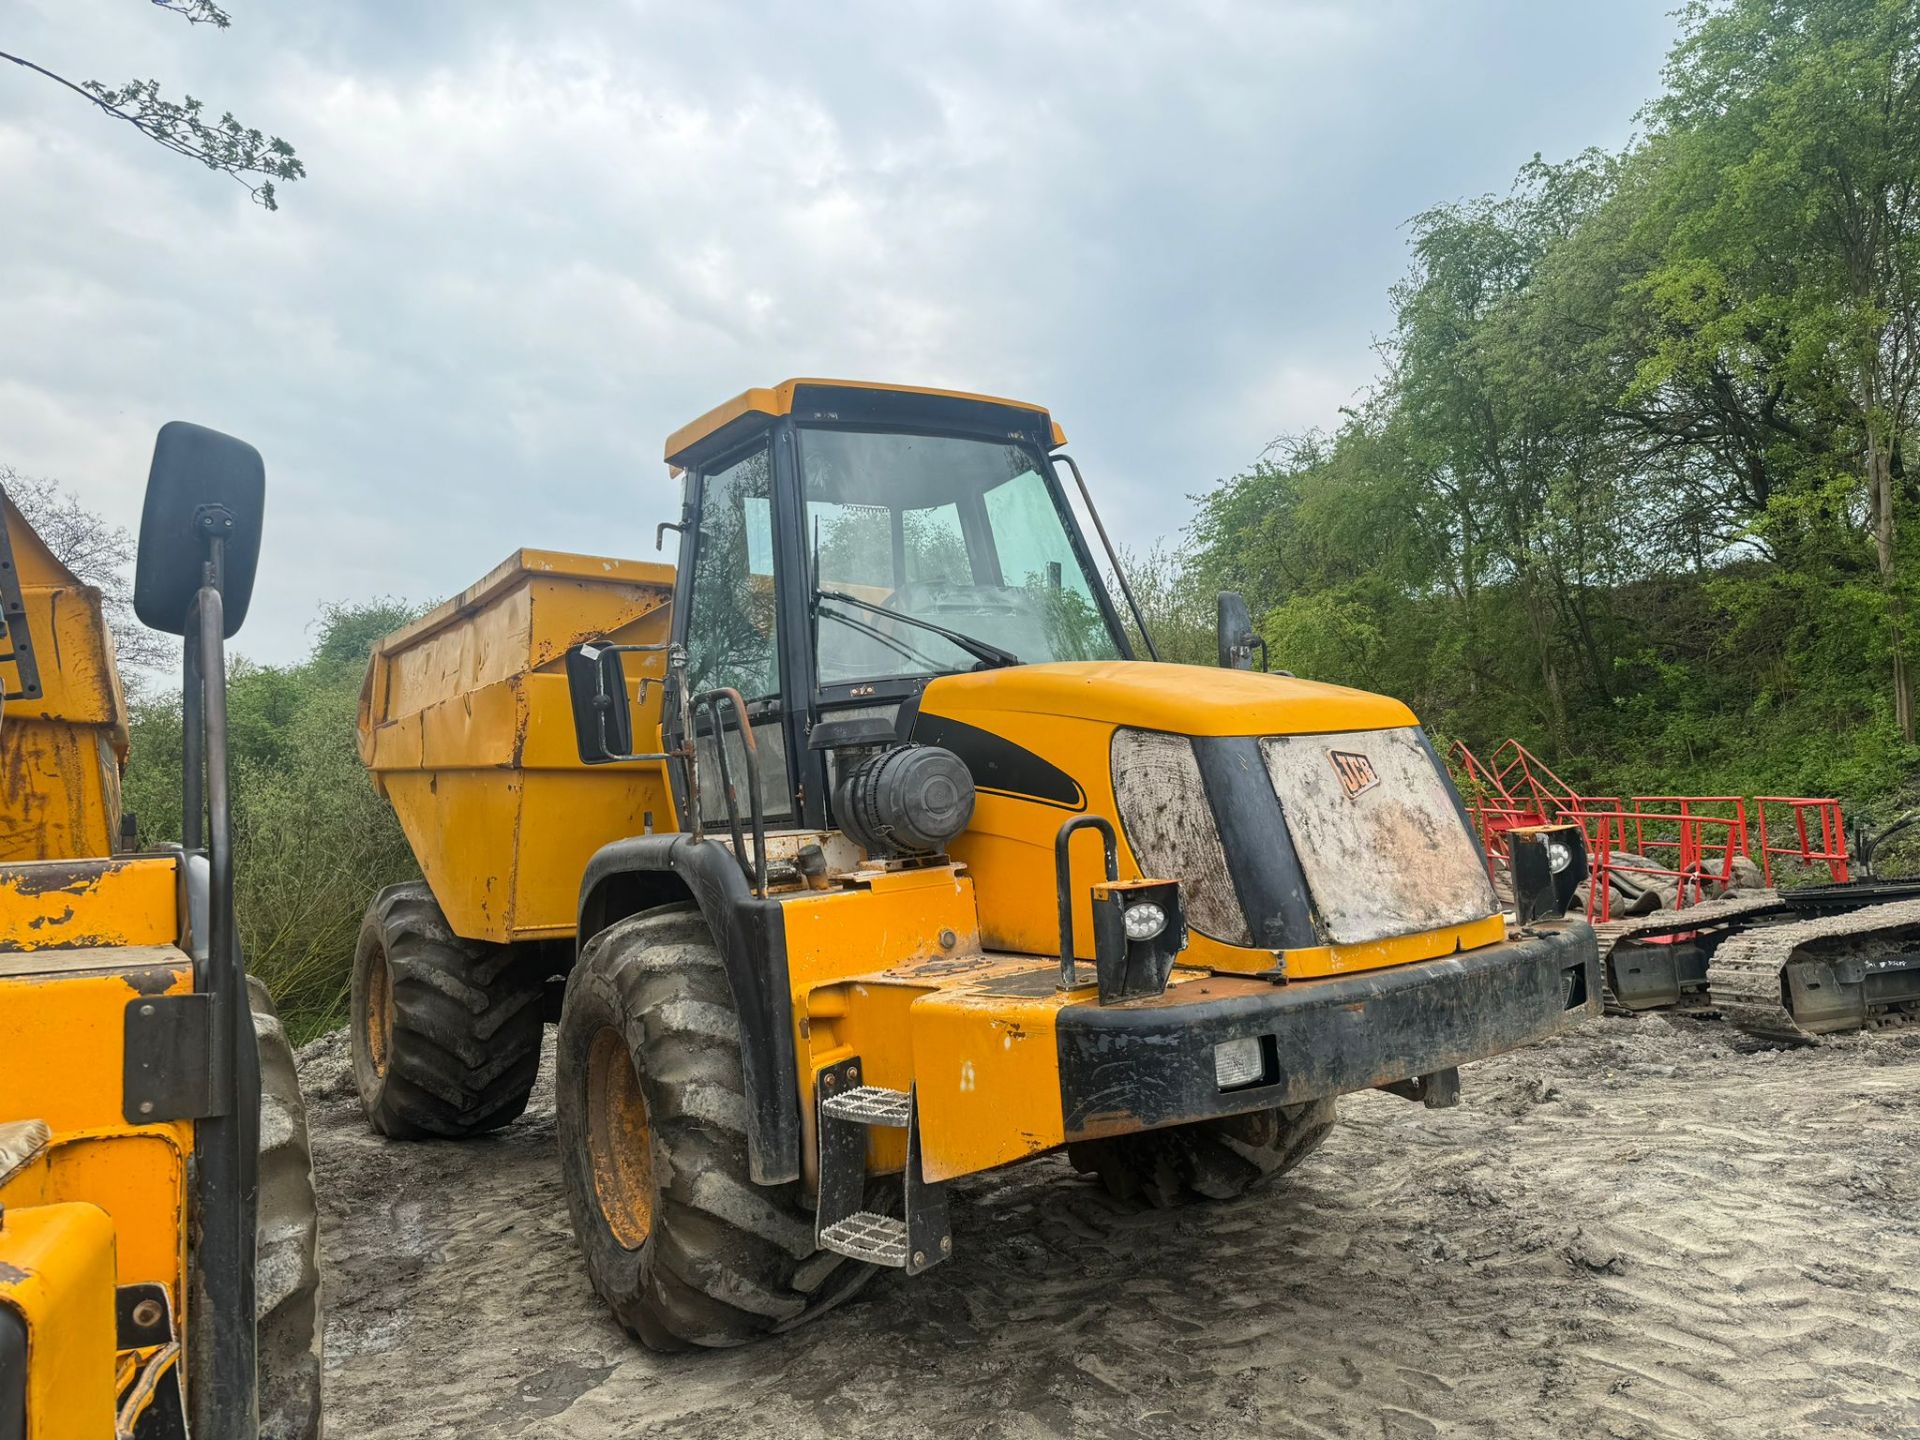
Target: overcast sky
x=536 y=238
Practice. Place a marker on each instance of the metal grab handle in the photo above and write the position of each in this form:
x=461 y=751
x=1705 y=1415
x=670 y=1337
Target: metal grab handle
x=711 y=701
x=1063 y=880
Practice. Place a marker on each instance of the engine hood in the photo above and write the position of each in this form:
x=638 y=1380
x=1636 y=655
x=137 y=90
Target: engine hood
x=1178 y=699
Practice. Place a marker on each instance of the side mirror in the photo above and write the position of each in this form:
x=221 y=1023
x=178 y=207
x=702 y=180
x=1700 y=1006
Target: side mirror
x=203 y=486
x=602 y=718
x=1237 y=636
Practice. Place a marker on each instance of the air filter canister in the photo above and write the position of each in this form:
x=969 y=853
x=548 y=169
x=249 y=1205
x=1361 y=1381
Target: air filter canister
x=909 y=799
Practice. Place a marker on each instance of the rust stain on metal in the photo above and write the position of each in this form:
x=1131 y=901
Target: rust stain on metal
x=48 y=879
x=152 y=979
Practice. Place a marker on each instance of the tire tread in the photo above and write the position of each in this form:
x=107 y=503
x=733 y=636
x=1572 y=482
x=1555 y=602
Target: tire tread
x=1208 y=1159
x=467 y=1023
x=727 y=1260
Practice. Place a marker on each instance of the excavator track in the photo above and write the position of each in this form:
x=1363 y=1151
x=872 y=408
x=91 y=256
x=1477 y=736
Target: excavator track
x=1744 y=908
x=1854 y=971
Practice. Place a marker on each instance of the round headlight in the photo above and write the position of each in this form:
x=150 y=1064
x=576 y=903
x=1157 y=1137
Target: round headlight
x=1559 y=855
x=1144 y=921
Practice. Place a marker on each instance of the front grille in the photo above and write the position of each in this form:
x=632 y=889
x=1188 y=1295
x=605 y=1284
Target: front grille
x=1380 y=836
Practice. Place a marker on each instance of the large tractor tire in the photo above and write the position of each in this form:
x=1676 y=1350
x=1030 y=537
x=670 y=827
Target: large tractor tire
x=679 y=1241
x=287 y=1242
x=446 y=1031
x=1209 y=1159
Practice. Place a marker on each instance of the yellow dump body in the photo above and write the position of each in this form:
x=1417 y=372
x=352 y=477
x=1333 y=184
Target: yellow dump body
x=467 y=729
x=61 y=754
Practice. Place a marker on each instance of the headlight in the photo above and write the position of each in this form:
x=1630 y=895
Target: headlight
x=1144 y=921
x=1559 y=855
x=1237 y=1062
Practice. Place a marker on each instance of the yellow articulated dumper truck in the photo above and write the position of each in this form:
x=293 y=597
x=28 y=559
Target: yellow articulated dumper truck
x=158 y=1275
x=860 y=853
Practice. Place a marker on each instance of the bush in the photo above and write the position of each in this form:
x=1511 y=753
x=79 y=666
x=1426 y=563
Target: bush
x=312 y=839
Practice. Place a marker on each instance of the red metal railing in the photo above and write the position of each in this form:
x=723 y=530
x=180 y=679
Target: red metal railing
x=1692 y=852
x=1831 y=848
x=1689 y=843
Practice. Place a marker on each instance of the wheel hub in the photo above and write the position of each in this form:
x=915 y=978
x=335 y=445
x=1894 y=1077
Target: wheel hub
x=619 y=1140
x=378 y=1021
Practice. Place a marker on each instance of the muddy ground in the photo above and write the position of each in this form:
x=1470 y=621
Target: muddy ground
x=1635 y=1230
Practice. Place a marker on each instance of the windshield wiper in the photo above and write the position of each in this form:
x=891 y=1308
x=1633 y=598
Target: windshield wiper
x=983 y=650
x=892 y=642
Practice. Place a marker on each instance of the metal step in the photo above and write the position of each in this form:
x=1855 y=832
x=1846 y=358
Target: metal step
x=863 y=1235
x=849 y=1113
x=870 y=1105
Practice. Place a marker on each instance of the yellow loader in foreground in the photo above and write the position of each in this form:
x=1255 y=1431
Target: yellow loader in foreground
x=158 y=1275
x=862 y=852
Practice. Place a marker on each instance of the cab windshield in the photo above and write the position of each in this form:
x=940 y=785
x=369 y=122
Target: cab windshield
x=958 y=534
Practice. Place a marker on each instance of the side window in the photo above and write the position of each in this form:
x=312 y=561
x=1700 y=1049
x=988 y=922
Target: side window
x=935 y=546
x=1027 y=533
x=730 y=629
x=1036 y=556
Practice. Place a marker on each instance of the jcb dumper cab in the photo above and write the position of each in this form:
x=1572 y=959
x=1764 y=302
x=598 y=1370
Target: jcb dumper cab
x=906 y=866
x=158 y=1265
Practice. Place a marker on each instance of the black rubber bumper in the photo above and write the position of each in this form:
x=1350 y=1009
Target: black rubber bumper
x=1144 y=1065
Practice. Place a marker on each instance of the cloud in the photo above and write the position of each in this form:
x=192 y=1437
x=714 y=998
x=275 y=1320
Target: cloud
x=536 y=239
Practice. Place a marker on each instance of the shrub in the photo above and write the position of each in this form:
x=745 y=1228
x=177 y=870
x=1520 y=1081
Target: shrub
x=312 y=839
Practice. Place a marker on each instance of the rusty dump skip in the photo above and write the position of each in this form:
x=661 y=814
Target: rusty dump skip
x=466 y=727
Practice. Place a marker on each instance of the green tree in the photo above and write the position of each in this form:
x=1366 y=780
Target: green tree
x=1790 y=195
x=313 y=841
x=1630 y=483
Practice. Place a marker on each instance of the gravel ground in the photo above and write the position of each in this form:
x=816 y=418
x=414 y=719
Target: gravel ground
x=1636 y=1230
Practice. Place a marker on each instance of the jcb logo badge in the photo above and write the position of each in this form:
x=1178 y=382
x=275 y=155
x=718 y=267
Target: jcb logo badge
x=1355 y=771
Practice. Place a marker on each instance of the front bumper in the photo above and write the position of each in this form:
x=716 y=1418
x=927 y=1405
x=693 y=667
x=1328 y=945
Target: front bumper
x=1145 y=1064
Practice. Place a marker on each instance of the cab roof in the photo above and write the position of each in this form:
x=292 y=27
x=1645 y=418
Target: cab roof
x=724 y=426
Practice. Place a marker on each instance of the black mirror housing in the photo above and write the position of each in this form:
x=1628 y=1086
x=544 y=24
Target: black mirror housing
x=1548 y=865
x=1234 y=628
x=602 y=718
x=203 y=485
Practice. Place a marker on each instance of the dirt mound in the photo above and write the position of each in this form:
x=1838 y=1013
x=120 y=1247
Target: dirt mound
x=1636 y=1230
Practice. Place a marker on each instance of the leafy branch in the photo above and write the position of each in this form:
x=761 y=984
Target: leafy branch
x=254 y=159
x=196 y=12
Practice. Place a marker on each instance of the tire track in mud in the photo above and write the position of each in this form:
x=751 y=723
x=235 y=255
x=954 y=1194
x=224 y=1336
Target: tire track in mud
x=1631 y=1231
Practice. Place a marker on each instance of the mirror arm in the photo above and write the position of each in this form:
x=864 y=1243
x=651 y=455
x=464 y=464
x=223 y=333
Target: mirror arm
x=193 y=755
x=226 y=1164
x=689 y=771
x=679 y=527
x=1113 y=557
x=685 y=754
